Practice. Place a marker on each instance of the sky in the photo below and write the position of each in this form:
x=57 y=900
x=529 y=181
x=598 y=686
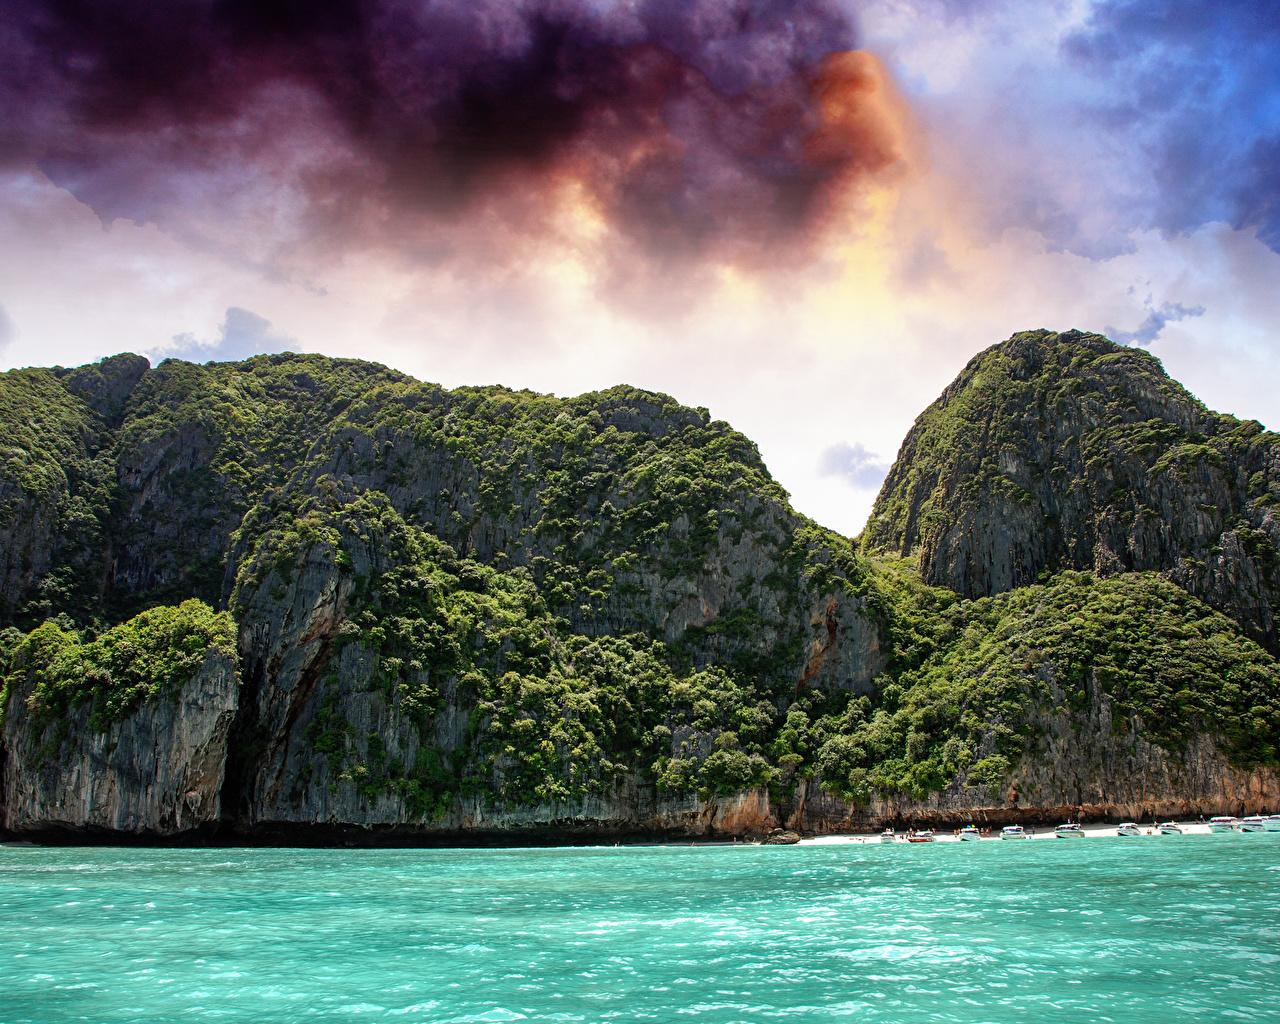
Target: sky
x=805 y=215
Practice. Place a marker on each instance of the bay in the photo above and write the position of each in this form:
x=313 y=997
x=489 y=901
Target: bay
x=1105 y=929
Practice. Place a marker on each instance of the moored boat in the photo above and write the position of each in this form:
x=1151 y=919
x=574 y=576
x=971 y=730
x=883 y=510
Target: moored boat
x=888 y=836
x=1271 y=823
x=921 y=836
x=1070 y=830
x=1013 y=832
x=969 y=834
x=1223 y=823
x=1170 y=828
x=1253 y=823
x=1128 y=829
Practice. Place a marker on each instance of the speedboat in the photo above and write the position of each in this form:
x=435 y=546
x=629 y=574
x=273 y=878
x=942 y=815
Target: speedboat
x=1271 y=823
x=888 y=836
x=1170 y=828
x=969 y=834
x=1013 y=832
x=1223 y=823
x=921 y=836
x=1253 y=823
x=1128 y=829
x=1071 y=830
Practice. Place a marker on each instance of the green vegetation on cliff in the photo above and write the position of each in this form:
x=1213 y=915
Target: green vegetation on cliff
x=551 y=714
x=442 y=600
x=1169 y=668
x=1066 y=451
x=538 y=565
x=55 y=495
x=150 y=656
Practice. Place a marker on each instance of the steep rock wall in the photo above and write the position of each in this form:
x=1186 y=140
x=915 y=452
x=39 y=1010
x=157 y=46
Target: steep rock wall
x=309 y=690
x=617 y=533
x=1055 y=451
x=157 y=772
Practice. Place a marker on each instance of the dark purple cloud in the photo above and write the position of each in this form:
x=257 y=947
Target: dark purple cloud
x=695 y=127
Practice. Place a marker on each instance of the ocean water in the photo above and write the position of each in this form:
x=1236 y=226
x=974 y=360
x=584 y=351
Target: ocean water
x=1105 y=929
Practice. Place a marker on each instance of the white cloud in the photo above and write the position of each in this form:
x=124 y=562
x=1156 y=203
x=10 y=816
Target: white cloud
x=850 y=352
x=862 y=469
x=1147 y=332
x=242 y=333
x=7 y=331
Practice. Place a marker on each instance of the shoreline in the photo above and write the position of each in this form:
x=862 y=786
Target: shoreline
x=325 y=839
x=1091 y=831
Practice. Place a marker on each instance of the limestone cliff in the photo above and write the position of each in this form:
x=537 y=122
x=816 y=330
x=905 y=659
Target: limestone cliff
x=1081 y=767
x=157 y=772
x=314 y=599
x=335 y=742
x=1059 y=451
x=450 y=605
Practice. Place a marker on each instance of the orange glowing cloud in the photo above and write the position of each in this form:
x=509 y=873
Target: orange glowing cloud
x=663 y=136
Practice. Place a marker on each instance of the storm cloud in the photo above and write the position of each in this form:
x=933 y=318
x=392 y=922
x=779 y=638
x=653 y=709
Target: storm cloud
x=699 y=130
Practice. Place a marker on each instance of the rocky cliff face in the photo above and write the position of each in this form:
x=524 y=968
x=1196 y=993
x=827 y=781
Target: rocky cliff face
x=482 y=613
x=452 y=606
x=338 y=744
x=1055 y=451
x=1081 y=768
x=157 y=772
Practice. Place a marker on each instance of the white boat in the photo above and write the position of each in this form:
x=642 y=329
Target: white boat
x=888 y=836
x=1070 y=830
x=1271 y=823
x=1170 y=828
x=921 y=836
x=970 y=834
x=1013 y=832
x=1253 y=823
x=1128 y=829
x=1223 y=823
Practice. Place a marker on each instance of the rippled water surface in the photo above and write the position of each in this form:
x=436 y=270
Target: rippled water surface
x=1124 y=930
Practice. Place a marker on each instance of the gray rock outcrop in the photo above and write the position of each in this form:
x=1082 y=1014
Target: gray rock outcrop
x=1067 y=451
x=373 y=539
x=157 y=772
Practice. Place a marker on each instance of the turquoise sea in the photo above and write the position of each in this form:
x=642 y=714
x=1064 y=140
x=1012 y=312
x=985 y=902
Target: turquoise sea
x=1105 y=929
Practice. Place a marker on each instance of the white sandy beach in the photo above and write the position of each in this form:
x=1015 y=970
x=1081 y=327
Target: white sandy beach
x=1041 y=832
